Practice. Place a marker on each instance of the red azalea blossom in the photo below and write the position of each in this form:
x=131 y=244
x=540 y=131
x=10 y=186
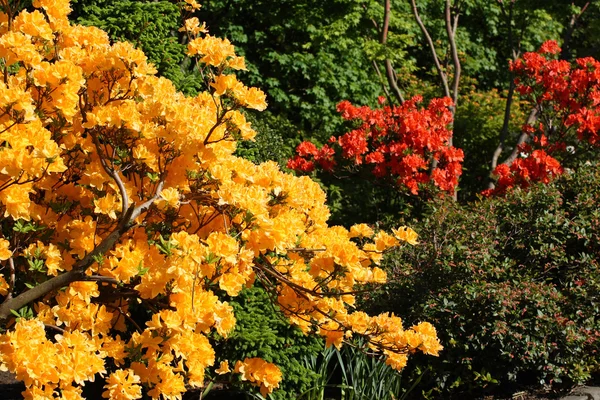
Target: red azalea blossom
x=568 y=100
x=398 y=142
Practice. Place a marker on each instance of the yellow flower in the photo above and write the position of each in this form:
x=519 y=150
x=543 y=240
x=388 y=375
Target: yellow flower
x=5 y=252
x=238 y=63
x=254 y=98
x=261 y=373
x=123 y=384
x=212 y=50
x=33 y=24
x=192 y=25
x=170 y=196
x=16 y=200
x=406 y=234
x=3 y=286
x=224 y=246
x=107 y=205
x=223 y=83
x=223 y=368
x=384 y=241
x=361 y=230
x=192 y=5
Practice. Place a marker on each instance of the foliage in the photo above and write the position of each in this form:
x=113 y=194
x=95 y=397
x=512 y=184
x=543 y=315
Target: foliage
x=128 y=222
x=478 y=121
x=366 y=377
x=513 y=280
x=351 y=373
x=307 y=55
x=269 y=145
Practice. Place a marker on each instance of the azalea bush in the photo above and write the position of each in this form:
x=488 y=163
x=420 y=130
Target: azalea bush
x=406 y=144
x=566 y=97
x=128 y=222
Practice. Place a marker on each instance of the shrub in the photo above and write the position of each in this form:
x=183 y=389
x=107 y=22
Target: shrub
x=262 y=331
x=514 y=283
x=128 y=222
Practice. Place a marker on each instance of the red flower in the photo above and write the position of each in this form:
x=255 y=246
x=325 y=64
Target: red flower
x=397 y=141
x=306 y=149
x=550 y=47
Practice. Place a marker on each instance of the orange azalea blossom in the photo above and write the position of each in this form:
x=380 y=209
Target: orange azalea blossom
x=117 y=190
x=261 y=373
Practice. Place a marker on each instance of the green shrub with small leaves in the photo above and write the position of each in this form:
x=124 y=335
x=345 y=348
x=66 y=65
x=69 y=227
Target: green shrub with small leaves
x=262 y=331
x=512 y=283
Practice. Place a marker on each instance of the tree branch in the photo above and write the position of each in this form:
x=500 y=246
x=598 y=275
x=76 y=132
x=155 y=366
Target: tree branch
x=113 y=173
x=523 y=138
x=451 y=25
x=505 y=125
x=565 y=53
x=383 y=86
x=436 y=60
x=389 y=70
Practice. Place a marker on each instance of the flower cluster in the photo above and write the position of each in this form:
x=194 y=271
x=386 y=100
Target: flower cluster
x=117 y=190
x=567 y=100
x=405 y=143
x=259 y=372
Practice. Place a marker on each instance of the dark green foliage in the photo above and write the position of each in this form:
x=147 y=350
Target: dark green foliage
x=512 y=284
x=262 y=331
x=478 y=122
x=268 y=143
x=307 y=55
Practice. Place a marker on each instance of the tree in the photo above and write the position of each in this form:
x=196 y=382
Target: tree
x=128 y=220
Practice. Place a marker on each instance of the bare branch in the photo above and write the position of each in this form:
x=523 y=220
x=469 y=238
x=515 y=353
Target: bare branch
x=11 y=265
x=505 y=125
x=436 y=60
x=383 y=86
x=56 y=328
x=100 y=278
x=451 y=24
x=565 y=53
x=388 y=63
x=523 y=138
x=146 y=205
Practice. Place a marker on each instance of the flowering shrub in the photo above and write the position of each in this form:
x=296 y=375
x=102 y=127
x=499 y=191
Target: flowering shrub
x=567 y=99
x=121 y=194
x=397 y=142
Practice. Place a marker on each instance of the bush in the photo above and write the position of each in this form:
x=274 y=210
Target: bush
x=263 y=331
x=512 y=283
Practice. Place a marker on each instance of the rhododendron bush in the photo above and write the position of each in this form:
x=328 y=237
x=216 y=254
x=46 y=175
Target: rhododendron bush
x=120 y=194
x=566 y=98
x=405 y=143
